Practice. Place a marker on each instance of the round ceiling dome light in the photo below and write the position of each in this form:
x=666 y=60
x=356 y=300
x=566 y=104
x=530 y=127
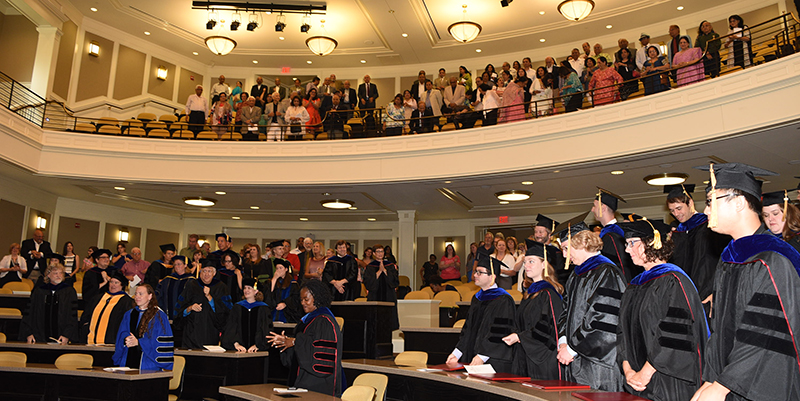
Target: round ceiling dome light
x=199 y=201
x=666 y=179
x=337 y=203
x=513 y=195
x=576 y=10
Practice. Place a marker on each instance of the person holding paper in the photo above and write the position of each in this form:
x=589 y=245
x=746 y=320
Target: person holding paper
x=490 y=318
x=144 y=338
x=52 y=312
x=204 y=304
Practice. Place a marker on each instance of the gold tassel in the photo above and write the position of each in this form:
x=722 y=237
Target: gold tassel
x=712 y=220
x=785 y=204
x=691 y=206
x=599 y=204
x=569 y=250
x=656 y=242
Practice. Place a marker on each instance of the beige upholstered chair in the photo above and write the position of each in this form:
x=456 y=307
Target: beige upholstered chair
x=74 y=361
x=412 y=358
x=374 y=380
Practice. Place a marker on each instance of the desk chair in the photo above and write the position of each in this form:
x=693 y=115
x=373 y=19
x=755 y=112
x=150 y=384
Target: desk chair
x=6 y=291
x=10 y=311
x=465 y=291
x=374 y=380
x=515 y=294
x=13 y=359
x=74 y=361
x=176 y=383
x=412 y=358
x=2 y=337
x=417 y=295
x=448 y=298
x=146 y=117
x=404 y=281
x=358 y=393
x=459 y=323
x=340 y=320
x=428 y=290
x=454 y=283
x=28 y=282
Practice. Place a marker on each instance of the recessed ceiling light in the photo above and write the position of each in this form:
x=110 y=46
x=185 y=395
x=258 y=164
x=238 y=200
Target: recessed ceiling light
x=542 y=40
x=371 y=219
x=353 y=208
x=304 y=219
x=195 y=53
x=504 y=202
x=254 y=207
x=255 y=61
x=363 y=61
x=541 y=12
x=236 y=217
x=552 y=199
x=527 y=182
x=119 y=188
x=705 y=182
x=94 y=10
x=147 y=33
x=405 y=35
x=281 y=37
x=477 y=50
x=337 y=203
x=556 y=171
x=609 y=26
x=308 y=61
x=199 y=201
x=680 y=8
x=220 y=193
x=448 y=182
x=513 y=195
x=666 y=179
x=617 y=172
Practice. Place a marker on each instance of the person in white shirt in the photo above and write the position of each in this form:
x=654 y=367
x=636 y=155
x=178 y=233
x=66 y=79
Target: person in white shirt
x=641 y=54
x=219 y=88
x=12 y=266
x=490 y=102
x=197 y=110
x=576 y=61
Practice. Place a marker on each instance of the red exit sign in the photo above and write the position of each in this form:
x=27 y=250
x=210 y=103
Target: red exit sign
x=286 y=70
x=502 y=219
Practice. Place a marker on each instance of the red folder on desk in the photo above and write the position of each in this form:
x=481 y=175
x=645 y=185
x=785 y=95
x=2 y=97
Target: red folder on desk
x=447 y=368
x=608 y=397
x=500 y=377
x=555 y=385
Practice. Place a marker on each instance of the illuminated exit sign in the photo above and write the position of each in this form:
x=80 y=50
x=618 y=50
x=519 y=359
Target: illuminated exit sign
x=502 y=219
x=286 y=70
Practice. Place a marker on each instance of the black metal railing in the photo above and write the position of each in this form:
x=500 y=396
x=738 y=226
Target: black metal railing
x=21 y=100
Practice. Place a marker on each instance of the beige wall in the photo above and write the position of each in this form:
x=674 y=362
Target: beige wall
x=93 y=78
x=18 y=33
x=12 y=215
x=130 y=70
x=82 y=237
x=155 y=238
x=156 y=86
x=112 y=236
x=385 y=91
x=66 y=50
x=32 y=215
x=186 y=83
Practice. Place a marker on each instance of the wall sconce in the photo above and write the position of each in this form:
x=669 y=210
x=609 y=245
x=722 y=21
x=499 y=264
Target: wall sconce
x=448 y=242
x=41 y=223
x=94 y=48
x=162 y=73
x=200 y=242
x=124 y=235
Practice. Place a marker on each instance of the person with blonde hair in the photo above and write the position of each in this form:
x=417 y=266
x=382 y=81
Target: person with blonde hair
x=52 y=313
x=12 y=266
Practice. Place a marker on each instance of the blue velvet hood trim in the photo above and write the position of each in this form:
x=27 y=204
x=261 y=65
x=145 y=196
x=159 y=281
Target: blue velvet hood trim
x=490 y=294
x=592 y=263
x=694 y=221
x=742 y=249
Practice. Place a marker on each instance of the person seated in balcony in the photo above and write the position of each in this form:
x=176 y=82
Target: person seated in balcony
x=296 y=116
x=249 y=115
x=393 y=119
x=690 y=70
x=421 y=119
x=607 y=80
x=221 y=115
x=654 y=67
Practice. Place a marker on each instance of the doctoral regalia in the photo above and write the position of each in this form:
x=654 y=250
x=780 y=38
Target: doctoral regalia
x=269 y=269
x=337 y=268
x=253 y=270
x=102 y=317
x=315 y=361
x=155 y=272
x=155 y=350
x=589 y=323
x=91 y=282
x=204 y=327
x=536 y=353
x=248 y=324
x=383 y=288
x=755 y=320
x=490 y=318
x=662 y=321
x=228 y=277
x=168 y=292
x=614 y=249
x=290 y=295
x=697 y=251
x=52 y=312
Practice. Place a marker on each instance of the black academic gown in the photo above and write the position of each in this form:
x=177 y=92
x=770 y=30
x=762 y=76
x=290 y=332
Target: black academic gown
x=662 y=321
x=232 y=282
x=290 y=296
x=168 y=292
x=337 y=268
x=614 y=248
x=490 y=318
x=383 y=288
x=204 y=327
x=156 y=272
x=108 y=321
x=52 y=312
x=589 y=323
x=536 y=353
x=697 y=251
x=315 y=361
x=269 y=269
x=248 y=325
x=756 y=320
x=91 y=281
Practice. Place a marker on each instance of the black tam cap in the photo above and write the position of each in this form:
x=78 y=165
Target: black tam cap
x=285 y=263
x=207 y=263
x=119 y=276
x=223 y=235
x=609 y=198
x=774 y=198
x=273 y=244
x=58 y=256
x=179 y=257
x=100 y=252
x=644 y=228
x=738 y=176
x=676 y=191
x=631 y=216
x=539 y=249
x=248 y=281
x=167 y=247
x=571 y=226
x=546 y=222
x=491 y=264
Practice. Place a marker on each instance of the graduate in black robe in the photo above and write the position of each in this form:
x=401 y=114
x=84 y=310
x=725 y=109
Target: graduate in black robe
x=224 y=242
x=490 y=318
x=381 y=279
x=249 y=322
x=52 y=312
x=535 y=337
x=588 y=325
x=205 y=304
x=662 y=331
x=171 y=287
x=160 y=268
x=341 y=274
x=231 y=274
x=781 y=217
x=753 y=350
x=272 y=263
x=95 y=280
x=314 y=355
x=101 y=319
x=604 y=208
x=283 y=295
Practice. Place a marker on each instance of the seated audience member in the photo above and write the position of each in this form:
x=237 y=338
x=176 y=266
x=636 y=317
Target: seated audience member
x=607 y=80
x=421 y=119
x=314 y=354
x=341 y=274
x=437 y=285
x=284 y=295
x=490 y=318
x=12 y=267
x=136 y=266
x=171 y=287
x=335 y=117
x=231 y=274
x=249 y=322
x=144 y=338
x=654 y=80
x=104 y=313
x=122 y=256
x=382 y=279
x=160 y=268
x=95 y=280
x=52 y=314
x=205 y=304
x=690 y=70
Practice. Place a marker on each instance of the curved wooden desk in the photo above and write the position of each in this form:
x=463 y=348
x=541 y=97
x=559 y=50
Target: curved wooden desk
x=265 y=392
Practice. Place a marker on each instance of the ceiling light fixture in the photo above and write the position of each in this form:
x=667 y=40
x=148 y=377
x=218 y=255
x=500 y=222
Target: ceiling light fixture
x=478 y=50
x=254 y=207
x=513 y=195
x=199 y=201
x=617 y=172
x=94 y=10
x=279 y=23
x=576 y=10
x=541 y=12
x=195 y=53
x=527 y=183
x=220 y=193
x=504 y=202
x=464 y=31
x=542 y=40
x=405 y=35
x=609 y=26
x=371 y=219
x=337 y=203
x=321 y=45
x=220 y=45
x=666 y=179
x=680 y=8
x=119 y=188
x=254 y=21
x=146 y=33
x=213 y=16
x=363 y=61
x=304 y=219
x=236 y=217
x=305 y=27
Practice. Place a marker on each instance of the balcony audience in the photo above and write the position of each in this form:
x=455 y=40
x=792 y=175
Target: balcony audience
x=655 y=79
x=708 y=42
x=687 y=60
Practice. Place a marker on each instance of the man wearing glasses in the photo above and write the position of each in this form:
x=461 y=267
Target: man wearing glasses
x=95 y=280
x=755 y=319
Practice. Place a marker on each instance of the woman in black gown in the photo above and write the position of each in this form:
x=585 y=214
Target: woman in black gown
x=249 y=321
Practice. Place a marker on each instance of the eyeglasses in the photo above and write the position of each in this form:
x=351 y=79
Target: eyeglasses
x=631 y=243
x=708 y=201
x=478 y=273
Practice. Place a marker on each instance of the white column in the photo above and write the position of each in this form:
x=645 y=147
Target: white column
x=44 y=66
x=406 y=250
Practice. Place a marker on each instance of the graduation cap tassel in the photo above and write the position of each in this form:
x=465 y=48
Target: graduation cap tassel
x=785 y=204
x=712 y=220
x=569 y=250
x=600 y=204
x=656 y=242
x=691 y=205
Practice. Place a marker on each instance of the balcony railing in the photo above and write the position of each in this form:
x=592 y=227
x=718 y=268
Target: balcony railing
x=21 y=100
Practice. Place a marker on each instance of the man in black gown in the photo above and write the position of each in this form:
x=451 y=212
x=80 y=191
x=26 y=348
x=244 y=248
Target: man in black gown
x=205 y=304
x=95 y=280
x=604 y=209
x=753 y=350
x=381 y=279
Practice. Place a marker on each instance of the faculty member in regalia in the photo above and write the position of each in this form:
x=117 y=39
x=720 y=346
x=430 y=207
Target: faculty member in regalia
x=144 y=338
x=52 y=312
x=205 y=304
x=249 y=321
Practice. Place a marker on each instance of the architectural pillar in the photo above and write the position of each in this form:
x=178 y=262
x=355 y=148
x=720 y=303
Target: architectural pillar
x=406 y=252
x=44 y=66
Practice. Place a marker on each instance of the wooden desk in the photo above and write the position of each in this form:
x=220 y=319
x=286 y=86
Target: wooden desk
x=410 y=384
x=265 y=392
x=367 y=328
x=418 y=312
x=46 y=382
x=277 y=372
x=438 y=342
x=9 y=324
